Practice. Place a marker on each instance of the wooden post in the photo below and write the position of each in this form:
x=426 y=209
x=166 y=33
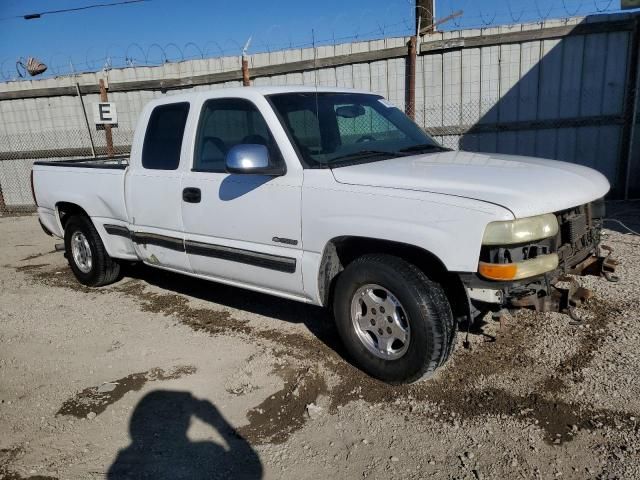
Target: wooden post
x=107 y=128
x=246 y=82
x=410 y=99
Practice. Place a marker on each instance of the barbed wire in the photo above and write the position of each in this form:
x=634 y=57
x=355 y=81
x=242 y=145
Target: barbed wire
x=489 y=14
x=156 y=54
x=475 y=15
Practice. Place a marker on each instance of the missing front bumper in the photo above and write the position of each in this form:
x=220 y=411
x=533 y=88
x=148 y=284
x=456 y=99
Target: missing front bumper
x=557 y=291
x=598 y=265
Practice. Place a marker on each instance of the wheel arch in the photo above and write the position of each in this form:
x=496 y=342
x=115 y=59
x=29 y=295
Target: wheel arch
x=342 y=250
x=66 y=210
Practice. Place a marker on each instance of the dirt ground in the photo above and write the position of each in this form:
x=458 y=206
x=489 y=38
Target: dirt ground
x=163 y=376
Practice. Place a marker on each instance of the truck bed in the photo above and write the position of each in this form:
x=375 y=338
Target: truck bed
x=95 y=185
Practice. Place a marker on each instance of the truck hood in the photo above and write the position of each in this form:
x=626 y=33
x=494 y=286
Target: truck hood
x=526 y=186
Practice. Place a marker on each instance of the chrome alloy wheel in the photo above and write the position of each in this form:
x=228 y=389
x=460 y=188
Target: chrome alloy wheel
x=81 y=252
x=380 y=321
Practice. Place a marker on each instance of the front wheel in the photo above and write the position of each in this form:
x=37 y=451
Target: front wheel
x=88 y=259
x=395 y=322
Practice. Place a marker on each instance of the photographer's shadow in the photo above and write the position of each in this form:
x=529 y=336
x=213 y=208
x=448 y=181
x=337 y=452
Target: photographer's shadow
x=160 y=448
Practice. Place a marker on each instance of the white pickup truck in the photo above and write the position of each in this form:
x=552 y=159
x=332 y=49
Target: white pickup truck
x=332 y=197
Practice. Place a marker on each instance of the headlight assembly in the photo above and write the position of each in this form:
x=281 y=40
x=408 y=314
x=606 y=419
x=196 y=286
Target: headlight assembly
x=522 y=230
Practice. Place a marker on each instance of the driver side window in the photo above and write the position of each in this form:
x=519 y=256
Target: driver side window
x=225 y=123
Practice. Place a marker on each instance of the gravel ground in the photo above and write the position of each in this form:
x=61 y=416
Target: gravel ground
x=170 y=377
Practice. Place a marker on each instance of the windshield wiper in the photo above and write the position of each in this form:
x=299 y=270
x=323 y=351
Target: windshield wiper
x=424 y=147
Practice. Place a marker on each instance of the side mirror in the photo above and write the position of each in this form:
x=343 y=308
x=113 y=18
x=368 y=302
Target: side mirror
x=251 y=159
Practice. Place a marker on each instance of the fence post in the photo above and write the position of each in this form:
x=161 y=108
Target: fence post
x=410 y=108
x=246 y=82
x=107 y=128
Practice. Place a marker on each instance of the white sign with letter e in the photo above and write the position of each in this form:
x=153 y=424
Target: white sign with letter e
x=104 y=113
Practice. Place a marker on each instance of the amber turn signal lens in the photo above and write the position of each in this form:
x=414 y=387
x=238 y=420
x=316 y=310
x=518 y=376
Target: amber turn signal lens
x=494 y=271
x=518 y=270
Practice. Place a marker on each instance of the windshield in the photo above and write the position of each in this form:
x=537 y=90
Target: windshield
x=336 y=129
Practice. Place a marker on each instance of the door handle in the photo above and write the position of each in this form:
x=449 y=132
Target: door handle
x=191 y=195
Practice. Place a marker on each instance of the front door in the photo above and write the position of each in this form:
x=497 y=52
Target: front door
x=154 y=190
x=245 y=229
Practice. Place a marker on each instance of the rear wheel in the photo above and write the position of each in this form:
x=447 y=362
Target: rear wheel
x=395 y=322
x=88 y=259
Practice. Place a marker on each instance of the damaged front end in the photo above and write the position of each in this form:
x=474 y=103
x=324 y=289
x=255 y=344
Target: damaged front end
x=562 y=292
x=574 y=247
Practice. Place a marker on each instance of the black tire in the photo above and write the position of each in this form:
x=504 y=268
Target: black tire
x=104 y=269
x=429 y=315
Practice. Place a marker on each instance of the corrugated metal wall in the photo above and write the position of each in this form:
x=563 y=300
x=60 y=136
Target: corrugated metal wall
x=568 y=81
x=556 y=93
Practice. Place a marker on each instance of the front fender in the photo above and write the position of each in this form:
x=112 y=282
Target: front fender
x=450 y=228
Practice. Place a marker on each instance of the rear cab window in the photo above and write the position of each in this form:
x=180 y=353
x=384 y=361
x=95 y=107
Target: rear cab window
x=163 y=138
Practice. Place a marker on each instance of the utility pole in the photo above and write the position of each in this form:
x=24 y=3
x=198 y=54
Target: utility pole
x=425 y=14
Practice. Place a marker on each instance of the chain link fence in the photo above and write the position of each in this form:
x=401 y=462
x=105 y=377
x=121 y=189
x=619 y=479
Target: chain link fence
x=595 y=141
x=19 y=152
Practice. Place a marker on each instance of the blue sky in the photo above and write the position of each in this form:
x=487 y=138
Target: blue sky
x=85 y=38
